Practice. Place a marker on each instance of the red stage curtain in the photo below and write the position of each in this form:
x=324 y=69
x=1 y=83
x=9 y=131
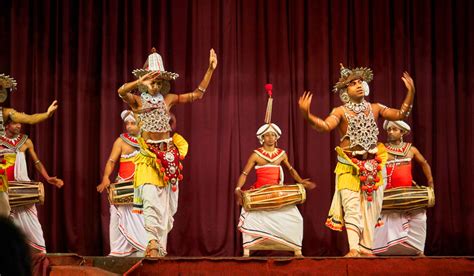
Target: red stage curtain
x=80 y=52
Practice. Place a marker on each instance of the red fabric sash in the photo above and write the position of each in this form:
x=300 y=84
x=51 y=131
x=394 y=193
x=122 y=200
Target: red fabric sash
x=267 y=175
x=126 y=170
x=399 y=175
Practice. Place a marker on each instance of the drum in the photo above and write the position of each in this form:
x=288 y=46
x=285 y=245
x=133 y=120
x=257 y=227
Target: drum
x=25 y=192
x=121 y=193
x=270 y=197
x=408 y=198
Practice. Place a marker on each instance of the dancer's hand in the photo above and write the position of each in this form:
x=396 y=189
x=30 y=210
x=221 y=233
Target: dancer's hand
x=148 y=79
x=52 y=108
x=409 y=84
x=304 y=103
x=212 y=60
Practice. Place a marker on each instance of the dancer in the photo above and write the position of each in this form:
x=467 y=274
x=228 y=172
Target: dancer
x=357 y=199
x=158 y=167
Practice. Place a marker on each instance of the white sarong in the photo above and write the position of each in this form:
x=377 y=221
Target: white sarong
x=127 y=232
x=26 y=217
x=403 y=233
x=284 y=226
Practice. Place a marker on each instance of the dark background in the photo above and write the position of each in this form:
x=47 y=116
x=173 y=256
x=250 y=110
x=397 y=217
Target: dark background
x=80 y=52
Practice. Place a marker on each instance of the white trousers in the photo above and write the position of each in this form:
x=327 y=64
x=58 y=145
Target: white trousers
x=159 y=207
x=127 y=232
x=361 y=217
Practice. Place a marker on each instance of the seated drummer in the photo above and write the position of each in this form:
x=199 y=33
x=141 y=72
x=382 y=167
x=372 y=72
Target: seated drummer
x=403 y=233
x=285 y=225
x=126 y=229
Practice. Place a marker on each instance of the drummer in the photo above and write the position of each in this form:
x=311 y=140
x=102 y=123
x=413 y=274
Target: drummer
x=357 y=199
x=403 y=233
x=25 y=217
x=126 y=229
x=7 y=85
x=282 y=226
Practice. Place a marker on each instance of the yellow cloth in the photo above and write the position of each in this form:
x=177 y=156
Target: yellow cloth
x=10 y=161
x=348 y=175
x=146 y=168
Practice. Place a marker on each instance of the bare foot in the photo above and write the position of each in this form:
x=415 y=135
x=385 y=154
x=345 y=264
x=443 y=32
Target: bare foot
x=352 y=253
x=366 y=254
x=298 y=254
x=154 y=250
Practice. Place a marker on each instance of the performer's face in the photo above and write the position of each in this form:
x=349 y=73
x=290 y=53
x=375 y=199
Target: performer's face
x=394 y=133
x=3 y=95
x=269 y=138
x=156 y=87
x=355 y=90
x=13 y=128
x=132 y=128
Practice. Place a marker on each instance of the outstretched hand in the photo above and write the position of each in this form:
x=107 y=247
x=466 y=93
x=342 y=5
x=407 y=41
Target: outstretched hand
x=308 y=185
x=212 y=60
x=409 y=84
x=55 y=181
x=52 y=108
x=304 y=103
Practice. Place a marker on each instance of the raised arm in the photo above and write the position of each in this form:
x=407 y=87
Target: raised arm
x=320 y=125
x=424 y=165
x=407 y=105
x=306 y=182
x=20 y=117
x=125 y=91
x=39 y=166
x=110 y=165
x=243 y=177
x=199 y=92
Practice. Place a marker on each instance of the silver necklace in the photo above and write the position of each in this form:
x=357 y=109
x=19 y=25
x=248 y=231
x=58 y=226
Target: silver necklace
x=357 y=107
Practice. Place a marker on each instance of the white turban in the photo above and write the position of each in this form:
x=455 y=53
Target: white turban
x=127 y=115
x=268 y=128
x=398 y=124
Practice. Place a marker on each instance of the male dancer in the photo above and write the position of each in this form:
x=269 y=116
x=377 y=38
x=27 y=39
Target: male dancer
x=8 y=84
x=158 y=167
x=357 y=199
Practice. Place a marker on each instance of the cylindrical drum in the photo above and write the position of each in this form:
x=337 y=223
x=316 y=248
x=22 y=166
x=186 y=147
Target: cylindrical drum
x=408 y=198
x=271 y=197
